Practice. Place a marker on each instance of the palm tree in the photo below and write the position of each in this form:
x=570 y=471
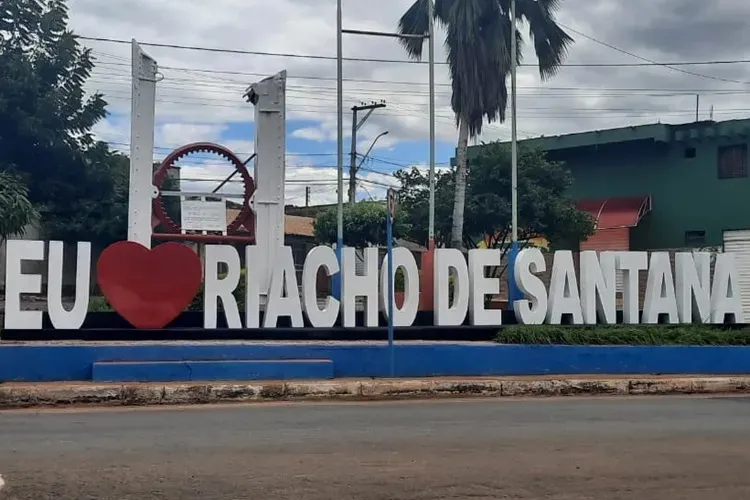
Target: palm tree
x=478 y=43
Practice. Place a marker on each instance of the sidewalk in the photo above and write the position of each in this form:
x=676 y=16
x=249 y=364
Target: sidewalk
x=21 y=395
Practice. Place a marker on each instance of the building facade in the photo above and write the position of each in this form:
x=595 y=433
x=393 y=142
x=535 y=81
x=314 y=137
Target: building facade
x=658 y=186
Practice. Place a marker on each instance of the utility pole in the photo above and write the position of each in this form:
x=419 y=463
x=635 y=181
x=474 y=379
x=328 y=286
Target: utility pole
x=697 y=106
x=356 y=125
x=307 y=196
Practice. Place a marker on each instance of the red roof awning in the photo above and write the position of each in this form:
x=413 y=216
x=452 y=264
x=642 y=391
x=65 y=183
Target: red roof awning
x=611 y=213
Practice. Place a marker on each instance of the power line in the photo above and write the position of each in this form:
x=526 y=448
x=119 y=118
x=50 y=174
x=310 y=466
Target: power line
x=532 y=113
x=304 y=182
x=650 y=61
x=197 y=163
x=407 y=107
x=328 y=92
x=403 y=61
x=406 y=83
x=169 y=148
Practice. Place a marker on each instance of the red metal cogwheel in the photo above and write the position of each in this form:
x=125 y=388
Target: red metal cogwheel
x=246 y=217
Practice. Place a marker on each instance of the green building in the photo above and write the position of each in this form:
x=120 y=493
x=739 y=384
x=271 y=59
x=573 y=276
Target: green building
x=659 y=186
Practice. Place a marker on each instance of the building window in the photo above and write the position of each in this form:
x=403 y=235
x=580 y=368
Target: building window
x=733 y=162
x=695 y=239
x=689 y=152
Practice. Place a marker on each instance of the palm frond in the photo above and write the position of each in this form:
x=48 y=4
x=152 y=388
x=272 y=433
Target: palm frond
x=477 y=44
x=551 y=42
x=415 y=21
x=473 y=57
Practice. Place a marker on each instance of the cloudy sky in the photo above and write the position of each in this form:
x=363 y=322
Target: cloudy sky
x=200 y=97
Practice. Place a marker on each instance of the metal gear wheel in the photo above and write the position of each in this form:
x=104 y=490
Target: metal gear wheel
x=246 y=217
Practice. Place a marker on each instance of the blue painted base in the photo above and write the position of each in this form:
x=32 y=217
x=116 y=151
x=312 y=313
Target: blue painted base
x=75 y=362
x=207 y=371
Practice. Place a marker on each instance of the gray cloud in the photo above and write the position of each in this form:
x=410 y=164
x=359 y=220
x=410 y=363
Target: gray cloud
x=689 y=29
x=576 y=99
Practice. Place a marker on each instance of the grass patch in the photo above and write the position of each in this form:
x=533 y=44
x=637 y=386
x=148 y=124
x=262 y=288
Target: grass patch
x=706 y=335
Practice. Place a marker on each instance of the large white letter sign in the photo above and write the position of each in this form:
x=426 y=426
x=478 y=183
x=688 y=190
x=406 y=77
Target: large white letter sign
x=725 y=293
x=693 y=286
x=598 y=287
x=60 y=318
x=283 y=296
x=631 y=263
x=16 y=283
x=563 y=290
x=252 y=287
x=660 y=296
x=531 y=311
x=445 y=313
x=402 y=259
x=317 y=258
x=222 y=289
x=481 y=286
x=353 y=286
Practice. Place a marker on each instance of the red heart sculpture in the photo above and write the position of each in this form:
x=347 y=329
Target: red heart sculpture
x=149 y=287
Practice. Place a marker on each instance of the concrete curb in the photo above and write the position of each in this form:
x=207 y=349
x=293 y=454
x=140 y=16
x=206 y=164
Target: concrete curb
x=45 y=395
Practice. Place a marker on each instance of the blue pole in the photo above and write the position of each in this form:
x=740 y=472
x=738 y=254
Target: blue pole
x=389 y=250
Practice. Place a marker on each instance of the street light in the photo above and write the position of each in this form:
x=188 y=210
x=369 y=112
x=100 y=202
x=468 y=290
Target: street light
x=336 y=282
x=514 y=293
x=382 y=134
x=355 y=169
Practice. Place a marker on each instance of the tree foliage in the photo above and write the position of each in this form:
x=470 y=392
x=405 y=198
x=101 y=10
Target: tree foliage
x=543 y=207
x=16 y=211
x=414 y=204
x=478 y=43
x=46 y=121
x=100 y=214
x=364 y=225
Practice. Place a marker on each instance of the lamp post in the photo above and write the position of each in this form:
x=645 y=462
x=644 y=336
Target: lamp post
x=514 y=293
x=431 y=50
x=340 y=105
x=336 y=280
x=382 y=134
x=355 y=170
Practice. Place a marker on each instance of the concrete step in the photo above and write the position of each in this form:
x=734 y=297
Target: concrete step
x=205 y=371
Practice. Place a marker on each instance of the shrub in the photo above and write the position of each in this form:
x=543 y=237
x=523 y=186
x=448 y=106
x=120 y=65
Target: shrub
x=99 y=304
x=694 y=334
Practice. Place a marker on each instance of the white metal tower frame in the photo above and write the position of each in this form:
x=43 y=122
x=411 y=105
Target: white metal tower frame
x=142 y=124
x=269 y=98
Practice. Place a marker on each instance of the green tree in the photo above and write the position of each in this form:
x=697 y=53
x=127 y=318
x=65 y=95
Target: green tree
x=16 y=211
x=414 y=204
x=544 y=210
x=46 y=118
x=100 y=214
x=364 y=225
x=478 y=41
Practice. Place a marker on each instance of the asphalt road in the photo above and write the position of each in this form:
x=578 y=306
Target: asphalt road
x=562 y=449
